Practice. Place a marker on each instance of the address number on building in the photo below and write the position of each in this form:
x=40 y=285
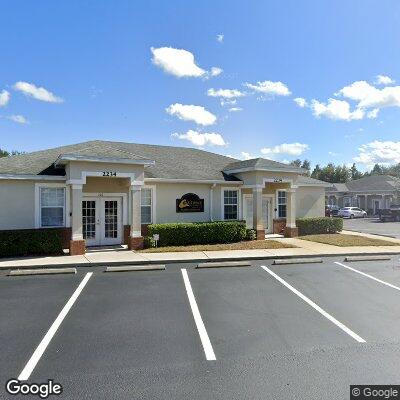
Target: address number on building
x=109 y=173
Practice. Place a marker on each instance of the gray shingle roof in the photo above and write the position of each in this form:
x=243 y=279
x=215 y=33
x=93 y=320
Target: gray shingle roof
x=368 y=183
x=306 y=180
x=170 y=162
x=261 y=163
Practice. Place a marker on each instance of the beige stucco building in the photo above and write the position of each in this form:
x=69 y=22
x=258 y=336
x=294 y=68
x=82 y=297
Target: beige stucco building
x=105 y=193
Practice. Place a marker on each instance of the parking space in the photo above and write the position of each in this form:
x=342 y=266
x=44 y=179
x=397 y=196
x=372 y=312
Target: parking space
x=28 y=308
x=144 y=334
x=373 y=226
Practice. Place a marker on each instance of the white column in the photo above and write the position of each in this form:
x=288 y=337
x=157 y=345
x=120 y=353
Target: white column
x=258 y=223
x=291 y=208
x=136 y=225
x=76 y=209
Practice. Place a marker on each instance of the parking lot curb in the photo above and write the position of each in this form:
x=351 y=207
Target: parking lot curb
x=367 y=258
x=309 y=260
x=188 y=261
x=42 y=271
x=223 y=264
x=133 y=268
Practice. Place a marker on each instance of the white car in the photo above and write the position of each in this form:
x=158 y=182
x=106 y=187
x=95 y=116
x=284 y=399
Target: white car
x=352 y=212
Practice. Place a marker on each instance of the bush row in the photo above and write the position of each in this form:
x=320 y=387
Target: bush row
x=29 y=242
x=182 y=234
x=316 y=226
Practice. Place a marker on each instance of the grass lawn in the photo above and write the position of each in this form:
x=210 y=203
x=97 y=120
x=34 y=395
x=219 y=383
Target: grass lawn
x=342 y=240
x=250 y=245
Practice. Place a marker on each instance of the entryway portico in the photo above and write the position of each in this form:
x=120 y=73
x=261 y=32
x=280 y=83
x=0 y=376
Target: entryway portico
x=105 y=198
x=269 y=195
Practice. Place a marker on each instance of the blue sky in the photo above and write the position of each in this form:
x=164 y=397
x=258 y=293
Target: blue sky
x=101 y=80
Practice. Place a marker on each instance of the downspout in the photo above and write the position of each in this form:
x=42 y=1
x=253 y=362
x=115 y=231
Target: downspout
x=211 y=200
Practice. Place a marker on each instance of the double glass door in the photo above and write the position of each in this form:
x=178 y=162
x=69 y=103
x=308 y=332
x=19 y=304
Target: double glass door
x=101 y=221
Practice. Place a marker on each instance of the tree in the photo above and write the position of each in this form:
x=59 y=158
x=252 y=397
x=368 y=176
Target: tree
x=296 y=163
x=316 y=174
x=355 y=173
x=4 y=153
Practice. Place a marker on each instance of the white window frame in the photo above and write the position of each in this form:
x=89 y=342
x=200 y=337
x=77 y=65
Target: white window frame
x=38 y=208
x=239 y=193
x=153 y=203
x=277 y=202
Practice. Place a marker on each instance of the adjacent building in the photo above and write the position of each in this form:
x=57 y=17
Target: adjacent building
x=370 y=193
x=104 y=193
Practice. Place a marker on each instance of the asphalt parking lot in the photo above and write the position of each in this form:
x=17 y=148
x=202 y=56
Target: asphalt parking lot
x=373 y=226
x=303 y=331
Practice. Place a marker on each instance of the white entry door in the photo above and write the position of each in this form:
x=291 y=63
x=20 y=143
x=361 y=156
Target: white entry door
x=101 y=221
x=266 y=212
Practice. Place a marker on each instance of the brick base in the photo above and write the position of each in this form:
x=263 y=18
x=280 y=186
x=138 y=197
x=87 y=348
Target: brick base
x=261 y=234
x=135 y=243
x=279 y=226
x=291 y=232
x=77 y=247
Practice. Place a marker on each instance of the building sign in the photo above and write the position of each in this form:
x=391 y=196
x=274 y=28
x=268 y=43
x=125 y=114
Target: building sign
x=189 y=202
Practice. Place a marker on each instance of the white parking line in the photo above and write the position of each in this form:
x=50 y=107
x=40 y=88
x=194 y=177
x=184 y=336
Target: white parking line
x=205 y=340
x=368 y=276
x=315 y=306
x=37 y=354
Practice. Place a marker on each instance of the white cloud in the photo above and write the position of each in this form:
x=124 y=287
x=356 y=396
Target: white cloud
x=245 y=156
x=225 y=93
x=235 y=109
x=201 y=139
x=180 y=63
x=379 y=152
x=301 y=102
x=270 y=88
x=369 y=96
x=215 y=71
x=176 y=62
x=220 y=38
x=336 y=109
x=373 y=113
x=197 y=114
x=20 y=119
x=38 y=93
x=4 y=98
x=384 y=80
x=294 y=149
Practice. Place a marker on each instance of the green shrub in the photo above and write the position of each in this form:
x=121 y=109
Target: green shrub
x=182 y=234
x=30 y=242
x=251 y=234
x=315 y=226
x=149 y=242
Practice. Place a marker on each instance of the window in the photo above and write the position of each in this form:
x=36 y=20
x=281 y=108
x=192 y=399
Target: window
x=146 y=206
x=281 y=204
x=230 y=204
x=52 y=207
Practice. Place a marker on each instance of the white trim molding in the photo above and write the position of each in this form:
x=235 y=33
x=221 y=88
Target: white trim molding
x=197 y=181
x=86 y=174
x=67 y=217
x=33 y=177
x=62 y=159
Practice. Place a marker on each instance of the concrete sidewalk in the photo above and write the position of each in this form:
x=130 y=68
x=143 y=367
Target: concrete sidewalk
x=106 y=258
